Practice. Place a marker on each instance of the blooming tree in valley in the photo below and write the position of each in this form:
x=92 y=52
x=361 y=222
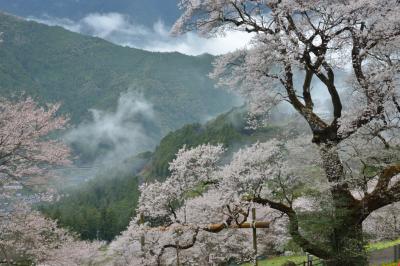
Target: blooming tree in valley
x=186 y=215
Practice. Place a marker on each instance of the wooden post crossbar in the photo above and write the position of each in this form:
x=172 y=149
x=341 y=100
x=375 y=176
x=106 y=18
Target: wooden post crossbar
x=215 y=228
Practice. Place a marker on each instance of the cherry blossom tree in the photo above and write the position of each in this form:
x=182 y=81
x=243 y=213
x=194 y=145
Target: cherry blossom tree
x=187 y=216
x=27 y=151
x=28 y=237
x=200 y=241
x=301 y=49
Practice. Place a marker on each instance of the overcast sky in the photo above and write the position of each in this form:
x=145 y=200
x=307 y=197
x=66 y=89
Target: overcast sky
x=121 y=29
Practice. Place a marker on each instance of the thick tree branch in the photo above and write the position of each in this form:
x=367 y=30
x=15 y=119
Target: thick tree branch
x=294 y=229
x=307 y=89
x=330 y=84
x=396 y=103
x=357 y=60
x=329 y=79
x=178 y=246
x=382 y=195
x=315 y=122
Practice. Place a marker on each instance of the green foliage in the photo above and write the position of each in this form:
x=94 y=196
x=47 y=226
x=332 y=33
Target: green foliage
x=279 y=261
x=382 y=245
x=293 y=247
x=82 y=72
x=227 y=129
x=101 y=208
x=190 y=135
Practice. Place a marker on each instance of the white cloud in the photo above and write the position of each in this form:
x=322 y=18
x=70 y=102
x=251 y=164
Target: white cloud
x=53 y=21
x=193 y=44
x=120 y=29
x=114 y=136
x=105 y=25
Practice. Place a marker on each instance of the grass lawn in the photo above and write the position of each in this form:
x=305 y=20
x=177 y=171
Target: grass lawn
x=278 y=261
x=383 y=245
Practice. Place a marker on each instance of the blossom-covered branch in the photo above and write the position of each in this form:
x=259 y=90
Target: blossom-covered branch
x=26 y=147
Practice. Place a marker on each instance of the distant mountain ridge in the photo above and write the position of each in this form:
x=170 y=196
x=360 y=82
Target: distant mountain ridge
x=81 y=72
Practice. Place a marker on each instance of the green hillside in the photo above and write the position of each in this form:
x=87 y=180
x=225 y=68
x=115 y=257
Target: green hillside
x=81 y=72
x=102 y=207
x=109 y=200
x=228 y=129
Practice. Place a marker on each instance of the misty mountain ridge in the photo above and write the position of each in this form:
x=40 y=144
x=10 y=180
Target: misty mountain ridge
x=89 y=77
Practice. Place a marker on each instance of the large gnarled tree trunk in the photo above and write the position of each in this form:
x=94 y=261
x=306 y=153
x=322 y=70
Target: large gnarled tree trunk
x=346 y=239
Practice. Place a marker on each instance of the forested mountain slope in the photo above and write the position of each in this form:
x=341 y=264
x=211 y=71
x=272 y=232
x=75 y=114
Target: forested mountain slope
x=83 y=72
